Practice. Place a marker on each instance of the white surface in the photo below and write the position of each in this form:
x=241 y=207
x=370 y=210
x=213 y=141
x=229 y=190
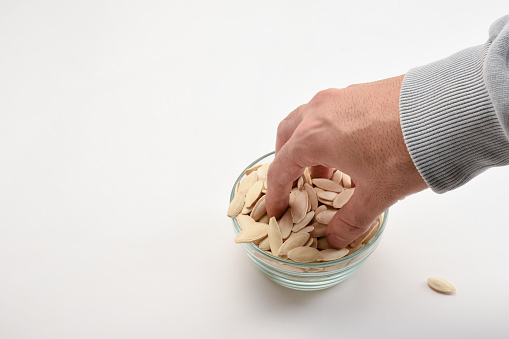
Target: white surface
x=123 y=126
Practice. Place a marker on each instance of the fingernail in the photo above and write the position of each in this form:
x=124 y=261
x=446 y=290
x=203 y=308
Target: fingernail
x=336 y=241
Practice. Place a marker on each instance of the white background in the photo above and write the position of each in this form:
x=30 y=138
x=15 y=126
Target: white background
x=123 y=126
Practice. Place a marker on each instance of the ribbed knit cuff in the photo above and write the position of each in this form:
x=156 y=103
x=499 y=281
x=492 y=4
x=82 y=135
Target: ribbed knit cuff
x=449 y=124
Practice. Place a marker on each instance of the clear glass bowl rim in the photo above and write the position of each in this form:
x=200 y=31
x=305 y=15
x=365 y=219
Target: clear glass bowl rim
x=296 y=264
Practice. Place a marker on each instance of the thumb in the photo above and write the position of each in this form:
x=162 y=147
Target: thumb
x=354 y=218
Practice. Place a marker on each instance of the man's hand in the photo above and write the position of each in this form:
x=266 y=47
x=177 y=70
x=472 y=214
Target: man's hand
x=356 y=130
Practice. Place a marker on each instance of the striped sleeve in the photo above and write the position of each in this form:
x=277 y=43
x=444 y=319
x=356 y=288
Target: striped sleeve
x=455 y=112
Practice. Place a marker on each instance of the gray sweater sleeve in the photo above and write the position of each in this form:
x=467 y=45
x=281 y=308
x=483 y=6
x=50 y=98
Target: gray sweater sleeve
x=455 y=112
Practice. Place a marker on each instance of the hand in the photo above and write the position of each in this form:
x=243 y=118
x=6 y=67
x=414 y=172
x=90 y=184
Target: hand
x=356 y=130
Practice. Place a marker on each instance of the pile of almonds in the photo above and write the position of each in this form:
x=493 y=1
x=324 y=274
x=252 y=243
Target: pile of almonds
x=300 y=233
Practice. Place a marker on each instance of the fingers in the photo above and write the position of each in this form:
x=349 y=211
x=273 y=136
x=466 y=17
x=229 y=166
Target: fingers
x=288 y=125
x=354 y=218
x=285 y=131
x=281 y=175
x=284 y=169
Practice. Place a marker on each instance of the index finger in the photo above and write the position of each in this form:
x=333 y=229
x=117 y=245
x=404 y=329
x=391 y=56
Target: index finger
x=283 y=171
x=288 y=125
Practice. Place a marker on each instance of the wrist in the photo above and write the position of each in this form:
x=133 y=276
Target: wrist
x=448 y=121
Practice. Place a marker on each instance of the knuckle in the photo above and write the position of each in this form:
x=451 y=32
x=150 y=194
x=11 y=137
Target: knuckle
x=285 y=126
x=281 y=127
x=353 y=86
x=324 y=96
x=284 y=130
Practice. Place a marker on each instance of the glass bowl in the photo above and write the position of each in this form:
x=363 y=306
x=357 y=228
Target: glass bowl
x=305 y=276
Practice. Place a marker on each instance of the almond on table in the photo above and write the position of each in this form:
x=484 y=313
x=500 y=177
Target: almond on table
x=441 y=285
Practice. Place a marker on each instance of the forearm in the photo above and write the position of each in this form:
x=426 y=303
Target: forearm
x=455 y=112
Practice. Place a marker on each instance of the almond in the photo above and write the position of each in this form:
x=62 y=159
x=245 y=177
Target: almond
x=441 y=285
x=286 y=224
x=342 y=198
x=328 y=185
x=326 y=216
x=304 y=254
x=253 y=193
x=333 y=254
x=304 y=222
x=275 y=238
x=252 y=233
x=245 y=221
x=311 y=196
x=236 y=205
x=247 y=182
x=297 y=240
x=259 y=209
x=299 y=206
